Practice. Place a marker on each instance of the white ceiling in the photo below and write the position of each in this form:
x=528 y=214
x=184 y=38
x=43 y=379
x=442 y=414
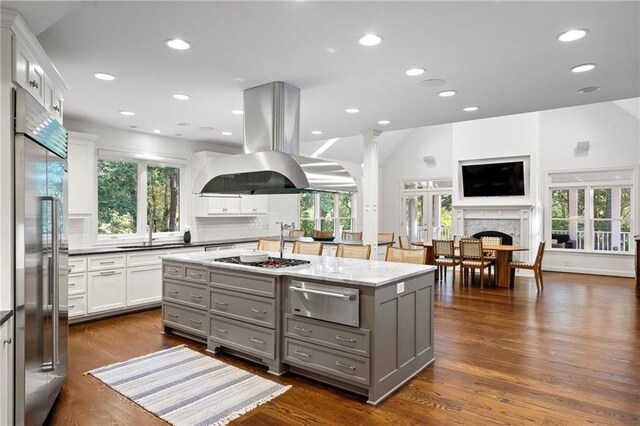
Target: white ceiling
x=502 y=56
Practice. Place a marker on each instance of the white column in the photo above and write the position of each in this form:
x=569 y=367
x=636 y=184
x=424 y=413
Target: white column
x=370 y=190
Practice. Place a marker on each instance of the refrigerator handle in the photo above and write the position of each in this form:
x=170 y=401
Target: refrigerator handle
x=55 y=279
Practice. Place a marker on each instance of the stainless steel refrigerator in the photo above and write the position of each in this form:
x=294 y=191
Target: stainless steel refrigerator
x=41 y=259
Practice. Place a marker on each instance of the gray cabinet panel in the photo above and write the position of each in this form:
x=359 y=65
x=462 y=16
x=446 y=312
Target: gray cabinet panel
x=424 y=299
x=196 y=274
x=172 y=270
x=193 y=295
x=186 y=319
x=349 y=339
x=243 y=337
x=407 y=328
x=254 y=309
x=386 y=331
x=346 y=367
x=258 y=285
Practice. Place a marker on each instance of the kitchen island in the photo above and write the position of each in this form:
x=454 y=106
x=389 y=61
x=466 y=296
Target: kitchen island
x=364 y=326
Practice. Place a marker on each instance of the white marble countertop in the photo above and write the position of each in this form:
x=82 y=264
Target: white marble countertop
x=368 y=273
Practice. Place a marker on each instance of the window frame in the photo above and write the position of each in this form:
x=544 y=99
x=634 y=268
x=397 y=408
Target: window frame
x=589 y=214
x=142 y=162
x=317 y=219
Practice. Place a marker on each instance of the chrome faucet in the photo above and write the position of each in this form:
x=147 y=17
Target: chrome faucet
x=284 y=227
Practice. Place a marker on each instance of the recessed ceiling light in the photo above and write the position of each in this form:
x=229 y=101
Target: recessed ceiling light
x=184 y=124
x=206 y=128
x=227 y=133
x=178 y=134
x=447 y=93
x=590 y=89
x=573 y=34
x=316 y=132
x=237 y=111
x=128 y=113
x=104 y=76
x=157 y=131
x=412 y=72
x=384 y=122
x=178 y=44
x=583 y=67
x=370 y=40
x=181 y=97
x=433 y=82
x=133 y=127
x=470 y=108
x=352 y=110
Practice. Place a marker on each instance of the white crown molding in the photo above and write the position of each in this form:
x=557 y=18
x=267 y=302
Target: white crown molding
x=12 y=20
x=85 y=137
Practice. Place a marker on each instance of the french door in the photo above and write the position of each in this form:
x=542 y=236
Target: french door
x=427 y=215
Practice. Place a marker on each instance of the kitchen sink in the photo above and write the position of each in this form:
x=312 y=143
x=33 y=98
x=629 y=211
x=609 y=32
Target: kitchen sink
x=146 y=246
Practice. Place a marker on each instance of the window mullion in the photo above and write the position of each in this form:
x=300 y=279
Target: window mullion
x=142 y=199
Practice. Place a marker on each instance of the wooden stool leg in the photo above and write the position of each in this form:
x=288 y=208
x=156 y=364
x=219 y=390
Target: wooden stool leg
x=453 y=275
x=481 y=278
x=540 y=275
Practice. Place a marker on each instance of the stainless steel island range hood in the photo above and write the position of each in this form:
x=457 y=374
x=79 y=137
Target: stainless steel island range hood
x=271 y=163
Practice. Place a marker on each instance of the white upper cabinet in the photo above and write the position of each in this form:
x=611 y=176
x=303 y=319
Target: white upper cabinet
x=253 y=204
x=223 y=205
x=82 y=173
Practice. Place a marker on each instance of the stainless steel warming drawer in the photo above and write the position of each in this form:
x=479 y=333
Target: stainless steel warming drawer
x=330 y=303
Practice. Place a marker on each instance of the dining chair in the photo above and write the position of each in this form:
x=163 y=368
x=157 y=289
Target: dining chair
x=403 y=240
x=472 y=257
x=536 y=266
x=268 y=245
x=322 y=234
x=445 y=255
x=354 y=252
x=355 y=236
x=296 y=233
x=491 y=254
x=400 y=255
x=300 y=247
x=386 y=237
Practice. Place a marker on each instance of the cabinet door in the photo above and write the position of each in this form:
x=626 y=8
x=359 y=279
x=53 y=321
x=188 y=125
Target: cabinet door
x=223 y=205
x=253 y=204
x=36 y=82
x=144 y=284
x=6 y=373
x=27 y=72
x=82 y=176
x=106 y=290
x=56 y=104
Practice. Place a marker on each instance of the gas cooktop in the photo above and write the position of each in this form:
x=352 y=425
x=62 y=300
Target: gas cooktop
x=272 y=262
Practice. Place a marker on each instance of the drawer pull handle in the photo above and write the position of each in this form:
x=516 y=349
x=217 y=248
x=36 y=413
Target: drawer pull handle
x=172 y=271
x=338 y=337
x=111 y=262
x=350 y=367
x=172 y=315
x=56 y=108
x=173 y=291
x=304 y=354
x=72 y=284
x=217 y=302
x=72 y=306
x=304 y=330
x=258 y=311
x=195 y=274
x=195 y=296
x=70 y=268
x=262 y=342
x=195 y=321
x=220 y=330
x=107 y=273
x=34 y=83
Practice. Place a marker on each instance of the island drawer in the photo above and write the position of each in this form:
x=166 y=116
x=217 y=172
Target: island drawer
x=77 y=306
x=349 y=339
x=184 y=318
x=194 y=295
x=244 y=307
x=243 y=337
x=172 y=270
x=346 y=367
x=77 y=284
x=77 y=265
x=194 y=273
x=255 y=284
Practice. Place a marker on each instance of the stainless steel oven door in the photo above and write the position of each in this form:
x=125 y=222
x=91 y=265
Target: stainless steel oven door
x=325 y=302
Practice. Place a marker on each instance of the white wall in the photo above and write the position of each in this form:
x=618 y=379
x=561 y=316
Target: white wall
x=405 y=163
x=549 y=138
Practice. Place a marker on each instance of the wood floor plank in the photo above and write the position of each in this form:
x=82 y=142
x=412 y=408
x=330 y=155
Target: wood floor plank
x=568 y=355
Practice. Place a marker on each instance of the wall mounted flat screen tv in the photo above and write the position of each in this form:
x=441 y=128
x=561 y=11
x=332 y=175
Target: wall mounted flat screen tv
x=493 y=180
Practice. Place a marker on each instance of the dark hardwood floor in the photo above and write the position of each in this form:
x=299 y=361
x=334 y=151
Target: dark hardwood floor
x=569 y=355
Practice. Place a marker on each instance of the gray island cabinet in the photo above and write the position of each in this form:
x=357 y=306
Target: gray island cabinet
x=364 y=326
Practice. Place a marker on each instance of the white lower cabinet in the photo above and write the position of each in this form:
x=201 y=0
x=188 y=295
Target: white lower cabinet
x=77 y=306
x=144 y=284
x=106 y=290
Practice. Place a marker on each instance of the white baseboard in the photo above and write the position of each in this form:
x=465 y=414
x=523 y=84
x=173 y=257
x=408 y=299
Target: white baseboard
x=589 y=271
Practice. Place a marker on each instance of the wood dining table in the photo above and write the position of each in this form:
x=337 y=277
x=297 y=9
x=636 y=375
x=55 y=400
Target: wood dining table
x=504 y=255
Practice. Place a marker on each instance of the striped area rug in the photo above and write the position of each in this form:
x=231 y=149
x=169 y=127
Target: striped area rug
x=184 y=387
